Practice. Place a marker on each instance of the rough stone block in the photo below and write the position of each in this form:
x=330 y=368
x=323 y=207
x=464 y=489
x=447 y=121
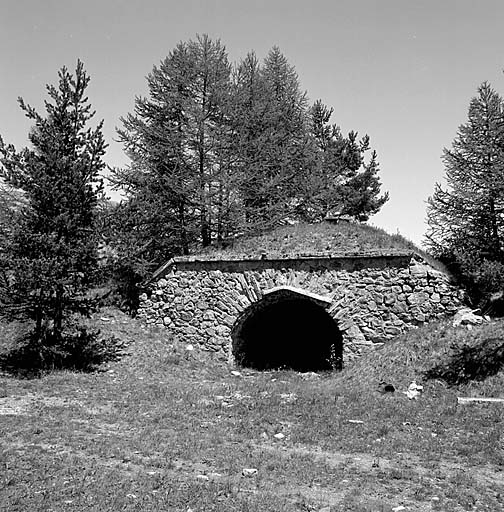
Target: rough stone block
x=392 y=330
x=417 y=298
x=185 y=316
x=389 y=299
x=417 y=270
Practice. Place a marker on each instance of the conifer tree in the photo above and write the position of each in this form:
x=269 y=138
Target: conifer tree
x=273 y=133
x=343 y=179
x=468 y=215
x=50 y=258
x=178 y=139
x=216 y=154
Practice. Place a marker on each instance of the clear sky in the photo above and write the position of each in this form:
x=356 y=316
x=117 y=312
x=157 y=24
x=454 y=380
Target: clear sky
x=401 y=71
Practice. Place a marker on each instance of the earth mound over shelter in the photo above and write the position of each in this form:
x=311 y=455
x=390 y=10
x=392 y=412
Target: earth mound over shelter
x=307 y=297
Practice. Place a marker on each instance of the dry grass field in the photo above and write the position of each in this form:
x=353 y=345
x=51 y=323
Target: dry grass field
x=167 y=429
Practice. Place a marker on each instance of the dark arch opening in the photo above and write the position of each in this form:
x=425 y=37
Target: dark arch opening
x=287 y=330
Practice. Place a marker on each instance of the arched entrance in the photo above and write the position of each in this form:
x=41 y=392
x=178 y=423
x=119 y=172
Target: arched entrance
x=287 y=329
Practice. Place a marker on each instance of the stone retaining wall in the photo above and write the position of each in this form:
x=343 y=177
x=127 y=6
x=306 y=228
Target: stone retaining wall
x=372 y=298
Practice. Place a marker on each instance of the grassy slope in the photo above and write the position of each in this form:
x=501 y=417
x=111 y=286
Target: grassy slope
x=168 y=429
x=317 y=239
x=321 y=238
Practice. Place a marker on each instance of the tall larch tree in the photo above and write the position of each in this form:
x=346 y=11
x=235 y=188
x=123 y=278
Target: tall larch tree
x=178 y=140
x=468 y=214
x=272 y=131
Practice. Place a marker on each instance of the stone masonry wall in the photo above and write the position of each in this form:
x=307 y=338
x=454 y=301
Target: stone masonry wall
x=200 y=303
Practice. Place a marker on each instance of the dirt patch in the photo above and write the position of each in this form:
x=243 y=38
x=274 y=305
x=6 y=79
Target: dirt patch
x=25 y=404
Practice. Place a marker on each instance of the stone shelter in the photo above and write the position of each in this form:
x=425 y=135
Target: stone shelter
x=307 y=311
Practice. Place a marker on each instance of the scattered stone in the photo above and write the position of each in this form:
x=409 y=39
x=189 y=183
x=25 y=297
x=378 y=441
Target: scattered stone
x=288 y=398
x=398 y=509
x=414 y=391
x=468 y=400
x=309 y=375
x=203 y=477
x=248 y=472
x=466 y=316
x=235 y=373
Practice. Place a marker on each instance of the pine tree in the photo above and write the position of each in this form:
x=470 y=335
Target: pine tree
x=342 y=179
x=51 y=255
x=468 y=215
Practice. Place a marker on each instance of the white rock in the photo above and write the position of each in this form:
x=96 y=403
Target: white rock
x=249 y=471
x=236 y=373
x=189 y=348
x=308 y=375
x=279 y=436
x=466 y=316
x=414 y=391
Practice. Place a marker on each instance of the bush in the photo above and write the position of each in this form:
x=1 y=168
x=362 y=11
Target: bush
x=473 y=361
x=483 y=279
x=78 y=350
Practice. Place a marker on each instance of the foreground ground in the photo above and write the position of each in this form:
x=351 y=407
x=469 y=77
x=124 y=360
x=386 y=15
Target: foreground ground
x=165 y=429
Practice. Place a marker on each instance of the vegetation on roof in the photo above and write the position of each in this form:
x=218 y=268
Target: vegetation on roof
x=324 y=238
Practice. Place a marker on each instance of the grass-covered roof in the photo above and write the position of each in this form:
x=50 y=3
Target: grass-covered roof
x=324 y=238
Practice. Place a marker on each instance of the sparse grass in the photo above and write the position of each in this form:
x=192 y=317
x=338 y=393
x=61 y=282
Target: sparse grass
x=168 y=429
x=320 y=238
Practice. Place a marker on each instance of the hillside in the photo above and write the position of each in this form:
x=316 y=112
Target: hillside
x=467 y=361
